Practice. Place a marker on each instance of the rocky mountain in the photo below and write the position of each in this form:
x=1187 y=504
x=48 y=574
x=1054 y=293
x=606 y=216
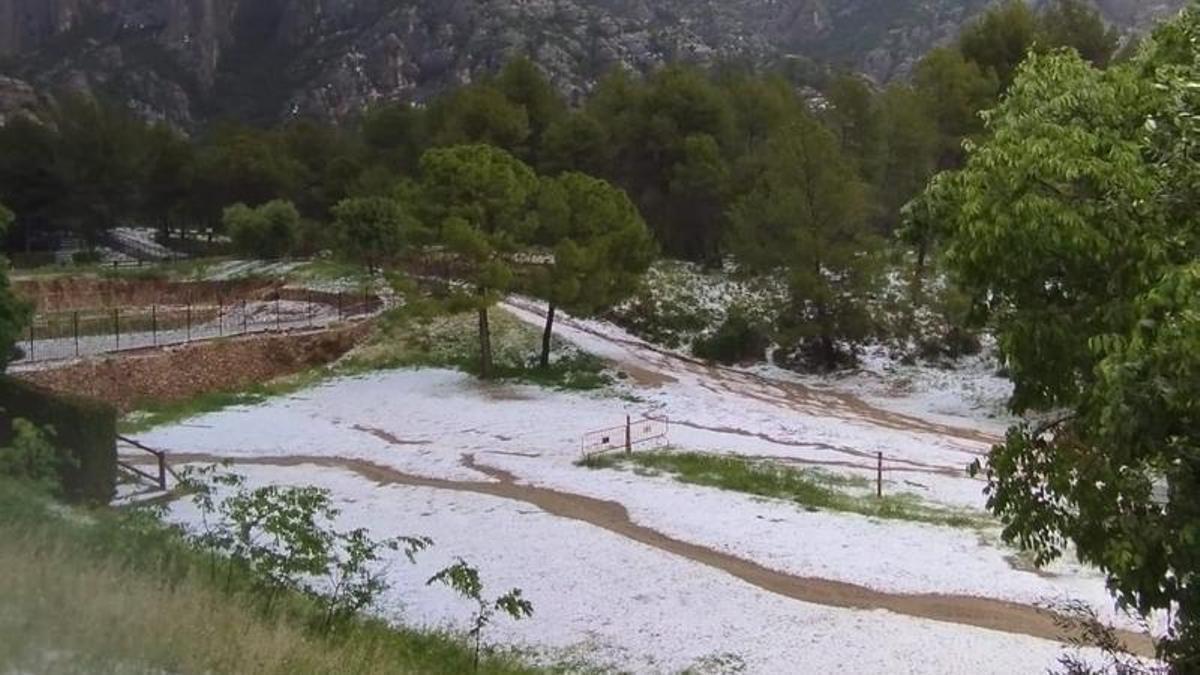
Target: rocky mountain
x=190 y=60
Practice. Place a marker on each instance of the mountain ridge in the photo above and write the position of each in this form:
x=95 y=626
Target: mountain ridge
x=187 y=61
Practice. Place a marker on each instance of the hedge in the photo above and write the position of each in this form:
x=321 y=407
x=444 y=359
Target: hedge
x=85 y=430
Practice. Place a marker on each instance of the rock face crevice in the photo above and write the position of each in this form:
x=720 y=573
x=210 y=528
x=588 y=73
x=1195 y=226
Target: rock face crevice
x=186 y=61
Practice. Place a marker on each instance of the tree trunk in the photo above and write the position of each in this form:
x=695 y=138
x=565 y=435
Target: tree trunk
x=549 y=333
x=485 y=345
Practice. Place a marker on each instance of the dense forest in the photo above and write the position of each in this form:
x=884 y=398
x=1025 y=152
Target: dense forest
x=718 y=163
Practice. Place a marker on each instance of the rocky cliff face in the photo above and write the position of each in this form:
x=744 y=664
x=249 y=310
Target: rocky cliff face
x=188 y=60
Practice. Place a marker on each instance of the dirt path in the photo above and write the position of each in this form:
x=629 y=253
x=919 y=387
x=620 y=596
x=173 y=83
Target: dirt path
x=653 y=366
x=1000 y=615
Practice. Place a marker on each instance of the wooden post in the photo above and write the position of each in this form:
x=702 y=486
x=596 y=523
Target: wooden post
x=628 y=435
x=340 y=295
x=879 y=477
x=220 y=314
x=162 y=472
x=244 y=317
x=154 y=325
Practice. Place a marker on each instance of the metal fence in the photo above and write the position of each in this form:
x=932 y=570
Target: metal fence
x=67 y=334
x=649 y=430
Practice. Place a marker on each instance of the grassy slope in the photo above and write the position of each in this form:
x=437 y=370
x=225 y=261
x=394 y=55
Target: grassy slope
x=812 y=489
x=99 y=592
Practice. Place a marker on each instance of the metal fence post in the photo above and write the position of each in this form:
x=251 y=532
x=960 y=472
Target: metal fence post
x=154 y=325
x=220 y=315
x=628 y=435
x=244 y=317
x=117 y=326
x=31 y=358
x=189 y=321
x=879 y=477
x=76 y=322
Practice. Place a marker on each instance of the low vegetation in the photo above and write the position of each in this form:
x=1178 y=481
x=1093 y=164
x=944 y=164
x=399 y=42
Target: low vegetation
x=809 y=488
x=118 y=591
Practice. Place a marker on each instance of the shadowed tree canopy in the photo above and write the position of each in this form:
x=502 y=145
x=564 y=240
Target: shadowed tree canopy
x=271 y=230
x=482 y=200
x=805 y=218
x=374 y=230
x=601 y=247
x=14 y=313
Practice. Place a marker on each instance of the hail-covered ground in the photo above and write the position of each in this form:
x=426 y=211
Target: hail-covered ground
x=640 y=572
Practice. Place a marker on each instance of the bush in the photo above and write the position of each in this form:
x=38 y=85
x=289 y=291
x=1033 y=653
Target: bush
x=90 y=257
x=737 y=340
x=84 y=431
x=268 y=231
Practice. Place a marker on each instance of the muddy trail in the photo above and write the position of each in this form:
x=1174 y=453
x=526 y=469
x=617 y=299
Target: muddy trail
x=653 y=366
x=999 y=615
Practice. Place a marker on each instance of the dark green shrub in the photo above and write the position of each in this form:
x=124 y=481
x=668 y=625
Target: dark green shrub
x=90 y=257
x=737 y=340
x=84 y=431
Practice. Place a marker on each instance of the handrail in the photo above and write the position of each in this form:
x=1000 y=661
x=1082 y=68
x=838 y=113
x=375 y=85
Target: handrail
x=163 y=467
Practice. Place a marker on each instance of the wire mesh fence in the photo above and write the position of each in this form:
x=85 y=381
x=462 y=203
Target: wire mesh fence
x=66 y=334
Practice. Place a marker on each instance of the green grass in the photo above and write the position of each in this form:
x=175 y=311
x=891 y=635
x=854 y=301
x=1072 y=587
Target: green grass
x=108 y=591
x=809 y=488
x=420 y=336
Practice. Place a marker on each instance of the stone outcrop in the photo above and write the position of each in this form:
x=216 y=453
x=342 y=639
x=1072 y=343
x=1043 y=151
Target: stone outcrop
x=189 y=60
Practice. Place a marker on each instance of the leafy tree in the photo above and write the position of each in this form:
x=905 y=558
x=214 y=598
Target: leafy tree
x=855 y=118
x=268 y=231
x=373 y=230
x=14 y=312
x=30 y=182
x=1074 y=228
x=954 y=90
x=805 y=217
x=999 y=40
x=481 y=199
x=464 y=579
x=911 y=151
x=170 y=176
x=524 y=84
x=396 y=135
x=100 y=156
x=601 y=247
x=697 y=196
x=31 y=458
x=576 y=142
x=1077 y=24
x=480 y=113
x=1059 y=191
x=242 y=165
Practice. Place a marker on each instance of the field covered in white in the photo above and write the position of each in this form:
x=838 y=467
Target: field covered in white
x=609 y=598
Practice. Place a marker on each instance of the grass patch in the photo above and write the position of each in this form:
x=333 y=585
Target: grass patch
x=108 y=591
x=419 y=336
x=330 y=269
x=809 y=488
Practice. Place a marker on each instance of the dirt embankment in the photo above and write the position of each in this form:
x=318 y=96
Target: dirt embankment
x=179 y=373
